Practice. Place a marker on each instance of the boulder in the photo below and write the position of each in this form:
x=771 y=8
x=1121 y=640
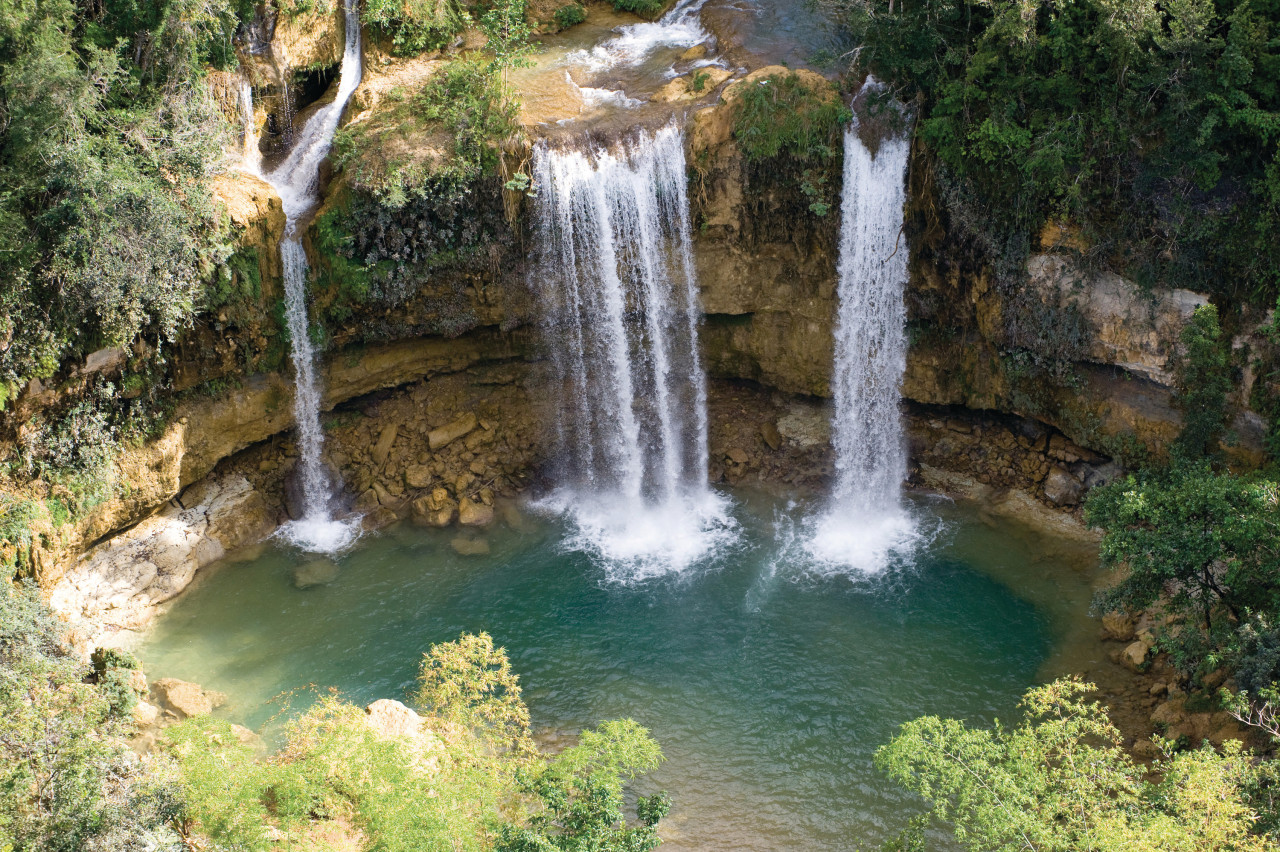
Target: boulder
x=389 y=719
x=1062 y=488
x=474 y=514
x=770 y=435
x=385 y=441
x=450 y=432
x=1134 y=656
x=184 y=699
x=1117 y=626
x=417 y=476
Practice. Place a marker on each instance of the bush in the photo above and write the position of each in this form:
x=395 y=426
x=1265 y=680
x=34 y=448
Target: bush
x=783 y=114
x=568 y=16
x=67 y=779
x=1204 y=380
x=1203 y=546
x=647 y=9
x=416 y=25
x=1061 y=780
x=107 y=230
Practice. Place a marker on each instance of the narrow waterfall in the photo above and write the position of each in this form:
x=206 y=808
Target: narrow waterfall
x=616 y=278
x=248 y=132
x=296 y=181
x=865 y=520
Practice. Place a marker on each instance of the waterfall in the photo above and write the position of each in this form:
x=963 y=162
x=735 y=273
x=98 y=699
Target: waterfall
x=680 y=27
x=615 y=275
x=865 y=520
x=296 y=180
x=248 y=135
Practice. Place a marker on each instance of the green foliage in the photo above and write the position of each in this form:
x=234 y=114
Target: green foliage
x=1061 y=780
x=1152 y=125
x=237 y=281
x=568 y=16
x=18 y=518
x=460 y=783
x=108 y=137
x=469 y=683
x=1203 y=546
x=784 y=114
x=469 y=100
x=416 y=25
x=465 y=104
x=581 y=796
x=1204 y=380
x=67 y=780
x=647 y=9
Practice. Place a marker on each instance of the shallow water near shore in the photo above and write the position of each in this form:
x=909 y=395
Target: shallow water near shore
x=769 y=685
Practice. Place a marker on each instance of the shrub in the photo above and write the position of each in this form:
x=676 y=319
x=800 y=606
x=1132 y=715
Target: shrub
x=68 y=782
x=416 y=25
x=1202 y=545
x=568 y=16
x=784 y=114
x=1061 y=780
x=647 y=9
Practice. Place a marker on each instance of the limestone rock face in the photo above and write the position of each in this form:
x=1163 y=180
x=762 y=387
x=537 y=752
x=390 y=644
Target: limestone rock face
x=310 y=39
x=258 y=214
x=120 y=582
x=1128 y=328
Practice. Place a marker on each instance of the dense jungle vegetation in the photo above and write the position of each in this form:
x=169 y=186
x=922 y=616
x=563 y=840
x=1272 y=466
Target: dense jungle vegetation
x=1151 y=126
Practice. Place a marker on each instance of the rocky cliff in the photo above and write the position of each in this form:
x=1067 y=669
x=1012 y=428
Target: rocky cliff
x=432 y=350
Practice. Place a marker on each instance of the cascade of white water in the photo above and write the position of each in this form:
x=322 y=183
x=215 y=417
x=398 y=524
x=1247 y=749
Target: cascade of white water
x=680 y=27
x=296 y=181
x=248 y=134
x=865 y=520
x=620 y=301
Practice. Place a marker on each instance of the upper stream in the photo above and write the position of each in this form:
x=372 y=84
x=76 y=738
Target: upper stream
x=768 y=684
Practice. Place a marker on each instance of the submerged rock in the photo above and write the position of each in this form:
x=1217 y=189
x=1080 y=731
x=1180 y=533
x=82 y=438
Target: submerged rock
x=315 y=573
x=474 y=514
x=467 y=546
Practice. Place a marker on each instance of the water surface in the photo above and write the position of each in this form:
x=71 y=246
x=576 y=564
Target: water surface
x=768 y=685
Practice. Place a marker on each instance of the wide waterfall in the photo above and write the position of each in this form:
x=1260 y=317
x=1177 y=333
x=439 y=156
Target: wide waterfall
x=615 y=273
x=296 y=181
x=865 y=520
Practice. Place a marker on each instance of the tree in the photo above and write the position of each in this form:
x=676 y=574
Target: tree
x=1060 y=781
x=1203 y=546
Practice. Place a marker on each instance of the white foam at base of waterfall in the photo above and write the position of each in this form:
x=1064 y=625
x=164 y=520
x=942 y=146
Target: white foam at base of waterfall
x=296 y=180
x=864 y=523
x=619 y=296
